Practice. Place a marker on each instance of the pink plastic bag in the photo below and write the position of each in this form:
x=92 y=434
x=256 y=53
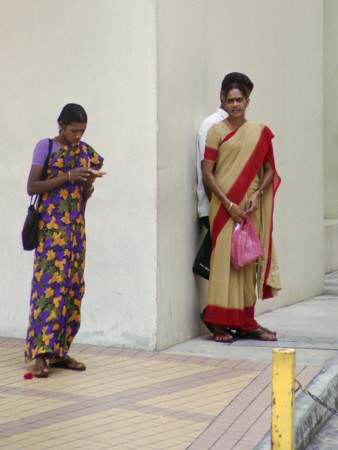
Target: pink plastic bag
x=245 y=244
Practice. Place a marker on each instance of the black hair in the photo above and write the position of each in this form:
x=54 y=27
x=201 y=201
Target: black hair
x=235 y=85
x=72 y=113
x=237 y=77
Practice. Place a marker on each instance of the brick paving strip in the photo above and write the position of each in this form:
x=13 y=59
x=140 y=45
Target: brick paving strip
x=136 y=399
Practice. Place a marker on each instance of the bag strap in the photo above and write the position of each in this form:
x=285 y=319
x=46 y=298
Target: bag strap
x=45 y=166
x=44 y=171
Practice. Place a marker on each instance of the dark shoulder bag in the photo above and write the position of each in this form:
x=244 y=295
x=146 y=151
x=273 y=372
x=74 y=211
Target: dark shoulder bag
x=30 y=229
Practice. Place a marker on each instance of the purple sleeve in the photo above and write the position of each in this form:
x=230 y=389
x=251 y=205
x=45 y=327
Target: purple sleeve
x=41 y=152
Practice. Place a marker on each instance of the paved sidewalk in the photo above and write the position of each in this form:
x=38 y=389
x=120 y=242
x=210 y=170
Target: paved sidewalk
x=129 y=399
x=196 y=395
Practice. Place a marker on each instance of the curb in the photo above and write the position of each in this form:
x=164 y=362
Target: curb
x=310 y=416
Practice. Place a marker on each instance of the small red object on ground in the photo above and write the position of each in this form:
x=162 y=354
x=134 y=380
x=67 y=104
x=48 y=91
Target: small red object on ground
x=28 y=376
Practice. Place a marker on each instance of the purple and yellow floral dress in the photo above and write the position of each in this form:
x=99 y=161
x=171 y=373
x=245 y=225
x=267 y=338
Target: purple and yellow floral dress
x=59 y=261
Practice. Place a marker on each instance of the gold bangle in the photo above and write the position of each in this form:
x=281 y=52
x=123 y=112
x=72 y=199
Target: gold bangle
x=91 y=187
x=231 y=205
x=68 y=175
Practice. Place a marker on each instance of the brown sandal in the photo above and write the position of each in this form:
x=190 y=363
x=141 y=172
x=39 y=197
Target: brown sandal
x=267 y=330
x=260 y=334
x=222 y=334
x=223 y=337
x=67 y=363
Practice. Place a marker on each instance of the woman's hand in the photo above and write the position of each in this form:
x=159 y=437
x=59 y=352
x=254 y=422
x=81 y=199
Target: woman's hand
x=83 y=174
x=88 y=185
x=236 y=213
x=79 y=174
x=97 y=173
x=253 y=203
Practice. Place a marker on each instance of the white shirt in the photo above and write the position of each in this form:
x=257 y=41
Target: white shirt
x=202 y=199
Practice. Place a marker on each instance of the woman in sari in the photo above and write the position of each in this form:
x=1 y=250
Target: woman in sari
x=239 y=170
x=59 y=260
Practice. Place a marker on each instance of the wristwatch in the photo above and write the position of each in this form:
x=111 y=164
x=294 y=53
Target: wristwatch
x=261 y=191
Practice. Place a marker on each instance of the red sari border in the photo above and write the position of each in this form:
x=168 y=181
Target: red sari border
x=232 y=317
x=211 y=153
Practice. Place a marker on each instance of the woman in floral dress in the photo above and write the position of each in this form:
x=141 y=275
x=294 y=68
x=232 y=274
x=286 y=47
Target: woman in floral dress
x=59 y=260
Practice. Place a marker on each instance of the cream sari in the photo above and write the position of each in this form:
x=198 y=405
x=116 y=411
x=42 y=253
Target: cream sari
x=239 y=157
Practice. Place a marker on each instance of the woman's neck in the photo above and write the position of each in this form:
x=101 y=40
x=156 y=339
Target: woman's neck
x=235 y=123
x=61 y=141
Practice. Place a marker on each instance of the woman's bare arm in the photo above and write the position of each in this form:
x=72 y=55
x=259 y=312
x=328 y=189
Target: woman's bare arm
x=209 y=179
x=253 y=201
x=37 y=186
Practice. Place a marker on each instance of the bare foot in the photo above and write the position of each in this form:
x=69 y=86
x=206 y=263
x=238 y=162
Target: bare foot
x=40 y=370
x=222 y=335
x=259 y=334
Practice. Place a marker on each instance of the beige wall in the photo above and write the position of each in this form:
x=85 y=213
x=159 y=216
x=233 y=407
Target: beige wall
x=181 y=103
x=330 y=108
x=148 y=71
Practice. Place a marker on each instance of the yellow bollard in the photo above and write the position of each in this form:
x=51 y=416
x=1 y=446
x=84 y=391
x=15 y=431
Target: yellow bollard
x=283 y=399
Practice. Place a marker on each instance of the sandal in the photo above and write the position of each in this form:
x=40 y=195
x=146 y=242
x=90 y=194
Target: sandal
x=267 y=330
x=67 y=363
x=220 y=334
x=259 y=334
x=40 y=370
x=223 y=337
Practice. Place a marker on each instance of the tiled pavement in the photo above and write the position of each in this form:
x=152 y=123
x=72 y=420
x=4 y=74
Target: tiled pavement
x=129 y=399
